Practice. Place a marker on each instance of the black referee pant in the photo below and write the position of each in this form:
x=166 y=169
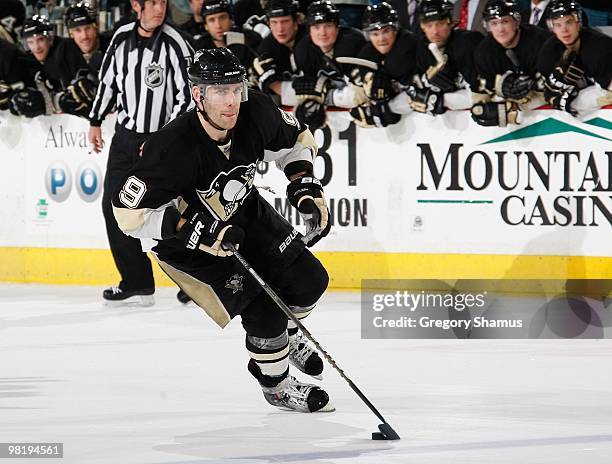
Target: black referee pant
x=132 y=263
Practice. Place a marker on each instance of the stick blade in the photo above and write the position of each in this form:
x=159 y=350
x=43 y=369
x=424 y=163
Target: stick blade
x=388 y=432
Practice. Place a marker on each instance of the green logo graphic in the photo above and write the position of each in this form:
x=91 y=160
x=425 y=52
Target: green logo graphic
x=42 y=208
x=551 y=126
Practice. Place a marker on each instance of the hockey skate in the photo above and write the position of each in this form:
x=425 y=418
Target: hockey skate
x=303 y=356
x=293 y=395
x=116 y=296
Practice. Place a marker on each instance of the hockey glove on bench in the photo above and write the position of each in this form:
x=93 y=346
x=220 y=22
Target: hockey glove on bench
x=306 y=195
x=207 y=234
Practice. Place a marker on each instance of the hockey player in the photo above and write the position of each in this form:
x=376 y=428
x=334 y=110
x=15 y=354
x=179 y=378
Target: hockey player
x=51 y=93
x=194 y=27
x=192 y=191
x=576 y=63
x=81 y=20
x=17 y=69
x=506 y=61
x=323 y=81
x=80 y=58
x=220 y=30
x=393 y=50
x=445 y=62
x=273 y=65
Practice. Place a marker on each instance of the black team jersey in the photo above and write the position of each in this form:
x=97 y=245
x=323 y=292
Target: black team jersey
x=400 y=62
x=594 y=56
x=180 y=161
x=459 y=48
x=311 y=60
x=281 y=56
x=492 y=59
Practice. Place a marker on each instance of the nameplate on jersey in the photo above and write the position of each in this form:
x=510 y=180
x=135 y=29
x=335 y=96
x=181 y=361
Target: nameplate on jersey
x=228 y=191
x=154 y=75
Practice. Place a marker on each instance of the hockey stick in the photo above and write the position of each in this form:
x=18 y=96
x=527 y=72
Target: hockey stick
x=435 y=51
x=386 y=431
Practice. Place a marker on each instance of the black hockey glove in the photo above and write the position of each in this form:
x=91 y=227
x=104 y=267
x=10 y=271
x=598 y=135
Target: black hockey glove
x=560 y=94
x=378 y=86
x=266 y=72
x=496 y=114
x=28 y=102
x=311 y=113
x=568 y=71
x=257 y=24
x=207 y=234
x=78 y=97
x=306 y=195
x=440 y=77
x=513 y=86
x=309 y=88
x=426 y=101
x=374 y=115
x=6 y=92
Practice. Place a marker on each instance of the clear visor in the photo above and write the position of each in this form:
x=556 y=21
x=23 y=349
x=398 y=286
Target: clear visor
x=222 y=94
x=33 y=39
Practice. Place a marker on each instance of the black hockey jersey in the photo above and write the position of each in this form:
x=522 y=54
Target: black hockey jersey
x=460 y=51
x=594 y=56
x=244 y=51
x=311 y=60
x=192 y=29
x=492 y=59
x=16 y=66
x=281 y=56
x=71 y=61
x=182 y=161
x=54 y=70
x=400 y=62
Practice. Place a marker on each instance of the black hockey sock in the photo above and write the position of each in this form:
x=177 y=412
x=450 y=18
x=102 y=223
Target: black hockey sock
x=269 y=361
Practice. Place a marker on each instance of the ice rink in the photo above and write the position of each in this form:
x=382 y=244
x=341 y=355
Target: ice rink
x=164 y=385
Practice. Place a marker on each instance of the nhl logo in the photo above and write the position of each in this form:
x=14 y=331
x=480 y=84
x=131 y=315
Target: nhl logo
x=154 y=75
x=234 y=283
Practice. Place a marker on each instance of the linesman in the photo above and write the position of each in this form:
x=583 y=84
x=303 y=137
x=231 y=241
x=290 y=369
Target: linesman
x=144 y=78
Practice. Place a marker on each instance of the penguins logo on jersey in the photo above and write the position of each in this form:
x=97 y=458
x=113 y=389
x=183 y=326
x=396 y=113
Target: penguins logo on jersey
x=228 y=191
x=234 y=283
x=154 y=75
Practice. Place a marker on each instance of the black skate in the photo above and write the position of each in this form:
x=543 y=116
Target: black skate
x=303 y=356
x=116 y=296
x=293 y=395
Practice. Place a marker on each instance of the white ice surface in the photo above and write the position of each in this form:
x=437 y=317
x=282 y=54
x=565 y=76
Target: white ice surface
x=164 y=385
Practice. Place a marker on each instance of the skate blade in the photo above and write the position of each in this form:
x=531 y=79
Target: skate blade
x=141 y=301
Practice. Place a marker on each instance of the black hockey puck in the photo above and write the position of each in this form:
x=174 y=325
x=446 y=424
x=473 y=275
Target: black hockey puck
x=378 y=436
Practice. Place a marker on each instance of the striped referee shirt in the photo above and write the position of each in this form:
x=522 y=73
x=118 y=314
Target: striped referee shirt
x=145 y=79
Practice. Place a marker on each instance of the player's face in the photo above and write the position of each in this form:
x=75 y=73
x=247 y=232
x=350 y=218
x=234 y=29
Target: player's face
x=196 y=7
x=324 y=35
x=284 y=29
x=567 y=29
x=503 y=30
x=383 y=39
x=437 y=31
x=39 y=45
x=222 y=104
x=152 y=15
x=218 y=24
x=85 y=37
